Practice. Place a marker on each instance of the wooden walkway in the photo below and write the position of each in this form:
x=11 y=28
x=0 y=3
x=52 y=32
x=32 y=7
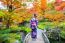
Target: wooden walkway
x=40 y=38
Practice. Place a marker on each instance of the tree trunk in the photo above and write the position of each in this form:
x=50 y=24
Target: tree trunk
x=8 y=24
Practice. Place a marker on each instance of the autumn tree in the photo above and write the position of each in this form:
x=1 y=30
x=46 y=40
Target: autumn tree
x=11 y=6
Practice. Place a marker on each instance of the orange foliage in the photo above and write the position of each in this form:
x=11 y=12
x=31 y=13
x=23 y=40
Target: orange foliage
x=43 y=4
x=60 y=6
x=21 y=15
x=57 y=17
x=5 y=2
x=35 y=9
x=15 y=4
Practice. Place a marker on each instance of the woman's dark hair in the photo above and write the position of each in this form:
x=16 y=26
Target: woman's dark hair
x=35 y=15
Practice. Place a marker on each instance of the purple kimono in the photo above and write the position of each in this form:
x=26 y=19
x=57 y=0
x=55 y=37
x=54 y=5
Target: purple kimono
x=33 y=26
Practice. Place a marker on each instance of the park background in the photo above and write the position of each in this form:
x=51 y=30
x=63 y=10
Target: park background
x=16 y=14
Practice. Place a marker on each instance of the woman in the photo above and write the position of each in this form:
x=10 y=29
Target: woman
x=37 y=35
x=33 y=25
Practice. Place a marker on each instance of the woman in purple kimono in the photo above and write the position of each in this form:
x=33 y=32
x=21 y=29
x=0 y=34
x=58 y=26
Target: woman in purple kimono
x=33 y=25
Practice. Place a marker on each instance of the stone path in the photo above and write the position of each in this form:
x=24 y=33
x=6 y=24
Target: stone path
x=39 y=39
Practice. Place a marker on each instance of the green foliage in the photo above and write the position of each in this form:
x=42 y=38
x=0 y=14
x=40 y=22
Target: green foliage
x=62 y=34
x=9 y=38
x=46 y=25
x=1 y=13
x=62 y=28
x=15 y=28
x=24 y=28
x=50 y=5
x=24 y=4
x=5 y=31
x=52 y=25
x=30 y=0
